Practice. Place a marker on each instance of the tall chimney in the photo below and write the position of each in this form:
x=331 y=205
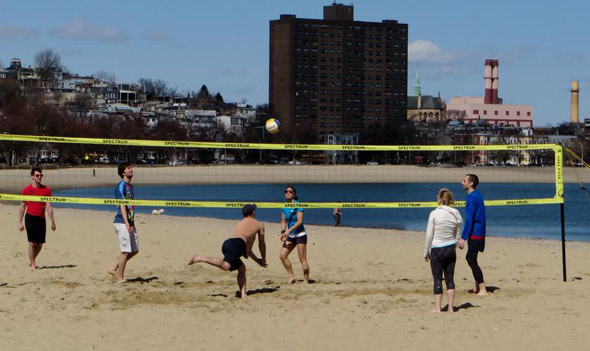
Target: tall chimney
x=575 y=104
x=494 y=81
x=488 y=82
x=491 y=82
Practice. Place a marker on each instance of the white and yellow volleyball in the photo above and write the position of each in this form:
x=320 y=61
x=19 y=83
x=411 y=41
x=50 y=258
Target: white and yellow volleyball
x=273 y=126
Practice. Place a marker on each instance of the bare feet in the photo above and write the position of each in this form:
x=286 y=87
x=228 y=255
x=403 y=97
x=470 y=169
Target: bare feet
x=479 y=290
x=292 y=280
x=451 y=310
x=112 y=271
x=33 y=267
x=305 y=281
x=121 y=281
x=195 y=259
x=435 y=311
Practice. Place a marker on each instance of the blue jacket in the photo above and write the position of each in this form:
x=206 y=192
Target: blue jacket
x=475 y=217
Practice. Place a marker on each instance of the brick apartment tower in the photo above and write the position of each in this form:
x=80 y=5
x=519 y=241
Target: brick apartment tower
x=337 y=75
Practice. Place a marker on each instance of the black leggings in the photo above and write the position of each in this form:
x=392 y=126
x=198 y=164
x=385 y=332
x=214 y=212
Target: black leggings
x=442 y=260
x=472 y=261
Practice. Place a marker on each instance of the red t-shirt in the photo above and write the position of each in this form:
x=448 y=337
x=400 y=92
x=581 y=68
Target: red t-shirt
x=36 y=208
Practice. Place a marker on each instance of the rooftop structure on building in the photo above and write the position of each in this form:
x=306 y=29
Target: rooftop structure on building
x=490 y=108
x=337 y=75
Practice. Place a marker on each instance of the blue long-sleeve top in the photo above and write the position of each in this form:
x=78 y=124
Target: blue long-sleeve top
x=475 y=217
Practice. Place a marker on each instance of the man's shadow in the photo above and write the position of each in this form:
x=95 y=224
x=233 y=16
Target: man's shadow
x=59 y=267
x=258 y=291
x=141 y=280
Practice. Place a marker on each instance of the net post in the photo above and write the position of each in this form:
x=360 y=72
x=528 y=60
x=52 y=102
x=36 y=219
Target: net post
x=562 y=207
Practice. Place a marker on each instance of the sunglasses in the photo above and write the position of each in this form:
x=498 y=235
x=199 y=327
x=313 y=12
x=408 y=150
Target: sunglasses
x=289 y=191
x=38 y=176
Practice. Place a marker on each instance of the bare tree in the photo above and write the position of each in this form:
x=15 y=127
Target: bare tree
x=458 y=115
x=83 y=102
x=105 y=76
x=153 y=88
x=48 y=64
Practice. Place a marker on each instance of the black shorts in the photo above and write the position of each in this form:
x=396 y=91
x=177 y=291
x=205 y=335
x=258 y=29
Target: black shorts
x=232 y=250
x=298 y=240
x=36 y=229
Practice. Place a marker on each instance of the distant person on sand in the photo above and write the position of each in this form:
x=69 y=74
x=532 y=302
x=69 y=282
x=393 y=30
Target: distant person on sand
x=124 y=222
x=442 y=234
x=239 y=245
x=293 y=235
x=336 y=214
x=35 y=215
x=474 y=230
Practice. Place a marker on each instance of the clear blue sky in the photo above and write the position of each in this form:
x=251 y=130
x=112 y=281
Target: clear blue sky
x=542 y=45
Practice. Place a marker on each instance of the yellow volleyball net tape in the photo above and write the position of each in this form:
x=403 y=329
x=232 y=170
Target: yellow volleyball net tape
x=558 y=198
x=257 y=146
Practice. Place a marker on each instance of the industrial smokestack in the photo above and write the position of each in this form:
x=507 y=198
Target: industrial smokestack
x=491 y=82
x=575 y=104
x=495 y=81
x=488 y=82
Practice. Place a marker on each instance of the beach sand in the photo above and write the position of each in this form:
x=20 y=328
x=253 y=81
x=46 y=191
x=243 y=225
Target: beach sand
x=372 y=290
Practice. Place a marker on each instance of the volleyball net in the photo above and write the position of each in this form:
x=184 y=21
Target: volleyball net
x=76 y=167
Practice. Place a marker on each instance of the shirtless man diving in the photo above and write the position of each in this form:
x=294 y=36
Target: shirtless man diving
x=240 y=244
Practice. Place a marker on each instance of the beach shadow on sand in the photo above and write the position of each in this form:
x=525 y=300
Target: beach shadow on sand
x=141 y=280
x=464 y=306
x=59 y=267
x=492 y=289
x=258 y=291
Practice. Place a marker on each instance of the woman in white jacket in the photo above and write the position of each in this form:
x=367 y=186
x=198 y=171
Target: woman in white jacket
x=442 y=235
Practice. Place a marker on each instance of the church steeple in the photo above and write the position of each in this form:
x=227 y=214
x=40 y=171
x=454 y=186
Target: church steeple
x=417 y=86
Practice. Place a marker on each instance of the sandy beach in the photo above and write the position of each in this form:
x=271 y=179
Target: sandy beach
x=372 y=290
x=13 y=180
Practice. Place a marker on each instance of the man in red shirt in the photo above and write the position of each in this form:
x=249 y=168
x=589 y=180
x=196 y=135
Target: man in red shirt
x=35 y=217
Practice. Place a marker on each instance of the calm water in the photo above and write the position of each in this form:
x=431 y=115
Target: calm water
x=539 y=221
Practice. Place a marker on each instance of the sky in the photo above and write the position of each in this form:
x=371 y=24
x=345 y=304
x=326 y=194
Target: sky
x=541 y=45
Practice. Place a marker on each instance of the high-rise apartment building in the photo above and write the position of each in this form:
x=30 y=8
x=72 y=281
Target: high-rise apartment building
x=336 y=75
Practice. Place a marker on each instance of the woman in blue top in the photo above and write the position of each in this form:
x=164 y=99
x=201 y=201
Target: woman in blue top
x=293 y=235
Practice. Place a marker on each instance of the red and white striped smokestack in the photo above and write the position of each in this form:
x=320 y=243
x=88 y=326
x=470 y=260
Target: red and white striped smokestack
x=495 y=81
x=491 y=81
x=488 y=82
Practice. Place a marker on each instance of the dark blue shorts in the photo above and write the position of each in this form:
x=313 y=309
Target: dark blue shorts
x=233 y=249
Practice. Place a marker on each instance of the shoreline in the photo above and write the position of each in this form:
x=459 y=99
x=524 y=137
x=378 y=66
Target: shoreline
x=88 y=177
x=414 y=232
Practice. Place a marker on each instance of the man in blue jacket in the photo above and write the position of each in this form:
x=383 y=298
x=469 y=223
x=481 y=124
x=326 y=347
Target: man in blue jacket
x=474 y=230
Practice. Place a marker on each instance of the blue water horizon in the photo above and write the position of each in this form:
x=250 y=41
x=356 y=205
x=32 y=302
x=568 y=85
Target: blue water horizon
x=531 y=221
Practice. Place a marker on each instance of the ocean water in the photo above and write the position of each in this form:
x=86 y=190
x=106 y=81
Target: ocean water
x=537 y=221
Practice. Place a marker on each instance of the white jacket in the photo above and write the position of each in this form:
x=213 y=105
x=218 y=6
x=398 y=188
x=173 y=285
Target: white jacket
x=444 y=228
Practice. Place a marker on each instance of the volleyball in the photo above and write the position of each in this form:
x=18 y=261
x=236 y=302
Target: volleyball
x=273 y=125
